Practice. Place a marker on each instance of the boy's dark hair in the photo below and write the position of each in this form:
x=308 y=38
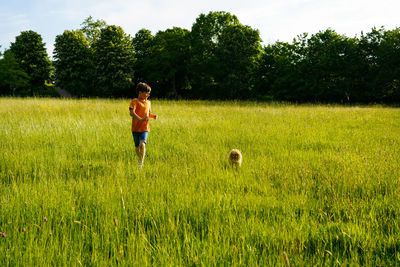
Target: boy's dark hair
x=143 y=87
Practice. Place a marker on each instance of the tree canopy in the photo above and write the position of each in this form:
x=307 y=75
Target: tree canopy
x=74 y=63
x=218 y=58
x=11 y=74
x=114 y=60
x=30 y=53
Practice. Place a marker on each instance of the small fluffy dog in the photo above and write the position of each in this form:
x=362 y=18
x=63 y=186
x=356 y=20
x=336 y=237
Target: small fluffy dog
x=235 y=158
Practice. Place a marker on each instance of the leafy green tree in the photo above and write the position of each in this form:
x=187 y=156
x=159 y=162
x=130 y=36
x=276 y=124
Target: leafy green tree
x=169 y=59
x=142 y=45
x=74 y=63
x=277 y=76
x=237 y=54
x=328 y=62
x=31 y=55
x=382 y=53
x=92 y=29
x=324 y=67
x=203 y=65
x=11 y=75
x=114 y=61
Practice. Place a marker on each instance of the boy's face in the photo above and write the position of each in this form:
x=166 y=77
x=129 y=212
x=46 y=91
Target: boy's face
x=144 y=95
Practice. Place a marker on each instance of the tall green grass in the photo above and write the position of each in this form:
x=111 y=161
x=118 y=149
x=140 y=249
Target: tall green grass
x=319 y=184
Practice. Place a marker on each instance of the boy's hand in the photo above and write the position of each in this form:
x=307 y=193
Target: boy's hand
x=155 y=117
x=145 y=118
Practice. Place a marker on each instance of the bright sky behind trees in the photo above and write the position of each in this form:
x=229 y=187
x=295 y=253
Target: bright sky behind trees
x=276 y=20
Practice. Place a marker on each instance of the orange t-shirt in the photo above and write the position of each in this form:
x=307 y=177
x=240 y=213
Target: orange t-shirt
x=142 y=109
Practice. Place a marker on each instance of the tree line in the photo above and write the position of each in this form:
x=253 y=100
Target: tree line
x=219 y=58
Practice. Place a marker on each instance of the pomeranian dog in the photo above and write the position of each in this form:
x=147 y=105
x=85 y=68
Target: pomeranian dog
x=235 y=158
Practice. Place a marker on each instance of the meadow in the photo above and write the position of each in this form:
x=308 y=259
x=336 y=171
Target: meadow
x=319 y=184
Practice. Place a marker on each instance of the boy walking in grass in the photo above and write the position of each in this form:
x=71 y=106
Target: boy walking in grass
x=140 y=112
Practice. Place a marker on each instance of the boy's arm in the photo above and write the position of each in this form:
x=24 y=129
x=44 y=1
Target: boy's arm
x=153 y=116
x=134 y=115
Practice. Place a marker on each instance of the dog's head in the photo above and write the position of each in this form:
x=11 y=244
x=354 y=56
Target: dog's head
x=235 y=156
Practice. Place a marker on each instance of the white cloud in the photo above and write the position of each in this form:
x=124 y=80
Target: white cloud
x=11 y=26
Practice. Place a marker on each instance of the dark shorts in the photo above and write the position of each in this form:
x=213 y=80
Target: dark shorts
x=139 y=137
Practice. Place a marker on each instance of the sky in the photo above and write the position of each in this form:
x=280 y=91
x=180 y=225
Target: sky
x=276 y=20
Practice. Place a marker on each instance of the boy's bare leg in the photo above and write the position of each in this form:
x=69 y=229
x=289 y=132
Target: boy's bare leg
x=138 y=153
x=141 y=151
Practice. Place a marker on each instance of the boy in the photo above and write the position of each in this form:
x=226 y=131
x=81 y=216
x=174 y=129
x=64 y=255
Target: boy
x=140 y=112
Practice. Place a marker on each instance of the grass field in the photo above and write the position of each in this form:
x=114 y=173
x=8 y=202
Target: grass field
x=318 y=185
